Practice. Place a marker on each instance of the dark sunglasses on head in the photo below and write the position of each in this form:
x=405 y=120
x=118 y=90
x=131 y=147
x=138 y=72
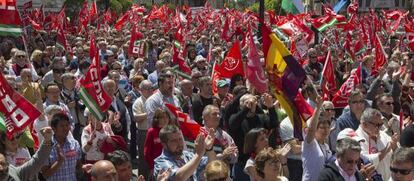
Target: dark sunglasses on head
x=401 y=171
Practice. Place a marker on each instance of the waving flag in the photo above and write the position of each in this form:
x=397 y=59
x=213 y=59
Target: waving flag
x=135 y=43
x=380 y=56
x=340 y=99
x=188 y=127
x=328 y=84
x=10 y=22
x=293 y=6
x=92 y=92
x=255 y=73
x=410 y=37
x=16 y=113
x=285 y=77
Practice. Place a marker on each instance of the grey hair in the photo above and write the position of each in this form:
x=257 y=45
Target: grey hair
x=208 y=109
x=52 y=108
x=369 y=113
x=402 y=155
x=244 y=98
x=166 y=130
x=346 y=144
x=144 y=83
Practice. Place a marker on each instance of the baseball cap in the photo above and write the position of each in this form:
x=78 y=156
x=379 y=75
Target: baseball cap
x=222 y=83
x=349 y=133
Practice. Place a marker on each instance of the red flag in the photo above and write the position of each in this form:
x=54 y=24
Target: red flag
x=380 y=56
x=16 y=113
x=303 y=107
x=178 y=59
x=35 y=25
x=134 y=43
x=83 y=17
x=232 y=64
x=340 y=99
x=328 y=84
x=410 y=37
x=62 y=41
x=93 y=11
x=107 y=17
x=92 y=92
x=188 y=127
x=352 y=8
x=121 y=21
x=255 y=73
x=225 y=31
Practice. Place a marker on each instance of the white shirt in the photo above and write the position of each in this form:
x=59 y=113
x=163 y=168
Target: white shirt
x=21 y=156
x=138 y=108
x=344 y=174
x=371 y=150
x=314 y=156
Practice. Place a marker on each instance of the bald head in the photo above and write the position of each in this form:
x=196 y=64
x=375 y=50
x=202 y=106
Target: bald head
x=110 y=86
x=186 y=87
x=104 y=170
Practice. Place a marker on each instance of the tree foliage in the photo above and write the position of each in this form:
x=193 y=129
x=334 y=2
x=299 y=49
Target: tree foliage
x=269 y=5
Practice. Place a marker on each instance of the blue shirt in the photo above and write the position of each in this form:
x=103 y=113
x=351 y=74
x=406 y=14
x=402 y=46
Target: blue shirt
x=347 y=120
x=72 y=151
x=166 y=160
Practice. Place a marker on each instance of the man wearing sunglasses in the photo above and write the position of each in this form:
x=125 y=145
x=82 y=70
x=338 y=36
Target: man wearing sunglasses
x=378 y=146
x=402 y=165
x=386 y=104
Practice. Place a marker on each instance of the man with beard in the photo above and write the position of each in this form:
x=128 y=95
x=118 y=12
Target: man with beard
x=184 y=165
x=163 y=95
x=31 y=167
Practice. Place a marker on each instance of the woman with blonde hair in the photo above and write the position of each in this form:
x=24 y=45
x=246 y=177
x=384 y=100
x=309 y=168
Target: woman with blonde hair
x=217 y=170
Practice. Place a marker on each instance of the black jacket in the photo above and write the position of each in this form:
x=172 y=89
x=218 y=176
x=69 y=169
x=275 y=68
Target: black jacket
x=331 y=173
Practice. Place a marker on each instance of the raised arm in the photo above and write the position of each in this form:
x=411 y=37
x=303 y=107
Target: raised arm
x=314 y=121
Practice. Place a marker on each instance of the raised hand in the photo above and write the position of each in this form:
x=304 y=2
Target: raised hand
x=367 y=171
x=267 y=100
x=200 y=145
x=47 y=133
x=209 y=140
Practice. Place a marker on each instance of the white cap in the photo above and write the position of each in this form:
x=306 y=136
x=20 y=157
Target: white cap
x=349 y=133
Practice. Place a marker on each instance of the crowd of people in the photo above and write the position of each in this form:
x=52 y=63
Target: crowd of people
x=244 y=135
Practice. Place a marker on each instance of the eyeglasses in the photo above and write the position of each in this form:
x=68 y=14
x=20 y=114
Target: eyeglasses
x=389 y=103
x=379 y=125
x=356 y=102
x=21 y=56
x=401 y=171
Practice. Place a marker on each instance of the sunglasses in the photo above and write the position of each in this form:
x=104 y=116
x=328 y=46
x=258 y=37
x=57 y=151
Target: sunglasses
x=21 y=56
x=401 y=171
x=329 y=109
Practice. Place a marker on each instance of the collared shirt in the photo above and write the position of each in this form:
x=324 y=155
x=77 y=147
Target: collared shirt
x=157 y=100
x=166 y=161
x=344 y=174
x=138 y=108
x=372 y=148
x=73 y=154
